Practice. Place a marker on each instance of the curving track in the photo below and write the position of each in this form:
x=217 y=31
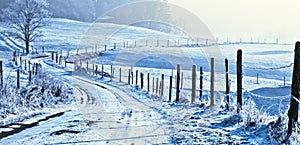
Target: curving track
x=118 y=116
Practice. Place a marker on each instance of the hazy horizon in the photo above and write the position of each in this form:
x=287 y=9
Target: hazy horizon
x=256 y=20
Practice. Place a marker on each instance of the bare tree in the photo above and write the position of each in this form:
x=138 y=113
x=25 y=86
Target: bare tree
x=26 y=17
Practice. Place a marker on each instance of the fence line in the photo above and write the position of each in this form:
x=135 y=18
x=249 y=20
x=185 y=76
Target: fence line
x=270 y=68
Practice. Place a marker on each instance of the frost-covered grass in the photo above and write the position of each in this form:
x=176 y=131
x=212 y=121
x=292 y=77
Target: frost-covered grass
x=43 y=92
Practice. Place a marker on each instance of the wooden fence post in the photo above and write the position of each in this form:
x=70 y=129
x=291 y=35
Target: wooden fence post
x=129 y=76
x=1 y=73
x=181 y=84
x=93 y=69
x=28 y=64
x=136 y=77
x=33 y=68
x=96 y=71
x=257 y=78
x=52 y=56
x=148 y=84
x=293 y=110
x=60 y=60
x=177 y=82
x=170 y=88
x=132 y=76
x=14 y=56
x=111 y=72
x=142 y=80
x=87 y=67
x=284 y=81
x=30 y=77
x=18 y=79
x=212 y=81
x=21 y=61
x=36 y=68
x=227 y=83
x=102 y=72
x=239 y=80
x=56 y=58
x=162 y=84
x=201 y=83
x=105 y=47
x=156 y=85
x=115 y=45
x=153 y=85
x=194 y=76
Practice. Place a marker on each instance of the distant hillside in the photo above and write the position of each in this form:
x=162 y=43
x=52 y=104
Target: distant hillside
x=82 y=10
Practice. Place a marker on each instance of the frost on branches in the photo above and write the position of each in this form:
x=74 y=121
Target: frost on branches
x=43 y=92
x=26 y=17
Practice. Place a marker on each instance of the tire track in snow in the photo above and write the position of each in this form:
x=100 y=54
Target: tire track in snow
x=128 y=120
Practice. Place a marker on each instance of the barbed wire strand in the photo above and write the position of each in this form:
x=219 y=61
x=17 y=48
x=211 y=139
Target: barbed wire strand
x=271 y=68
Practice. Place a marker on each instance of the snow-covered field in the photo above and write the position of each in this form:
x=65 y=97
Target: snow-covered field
x=110 y=112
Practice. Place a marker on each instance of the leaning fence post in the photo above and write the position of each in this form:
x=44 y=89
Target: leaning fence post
x=177 y=82
x=194 y=76
x=201 y=82
x=212 y=81
x=239 y=80
x=227 y=83
x=293 y=110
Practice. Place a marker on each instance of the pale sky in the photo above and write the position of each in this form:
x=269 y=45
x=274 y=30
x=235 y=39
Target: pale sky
x=256 y=19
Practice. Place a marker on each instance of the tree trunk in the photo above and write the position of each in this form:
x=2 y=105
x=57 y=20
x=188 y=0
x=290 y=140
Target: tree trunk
x=27 y=46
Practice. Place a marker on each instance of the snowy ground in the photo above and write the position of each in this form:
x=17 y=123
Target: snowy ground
x=111 y=112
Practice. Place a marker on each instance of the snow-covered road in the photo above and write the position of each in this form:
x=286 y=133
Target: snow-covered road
x=118 y=116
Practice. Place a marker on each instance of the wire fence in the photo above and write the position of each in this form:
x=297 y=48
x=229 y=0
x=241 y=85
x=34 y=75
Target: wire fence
x=270 y=68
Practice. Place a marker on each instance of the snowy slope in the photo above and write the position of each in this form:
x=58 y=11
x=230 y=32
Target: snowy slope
x=267 y=100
